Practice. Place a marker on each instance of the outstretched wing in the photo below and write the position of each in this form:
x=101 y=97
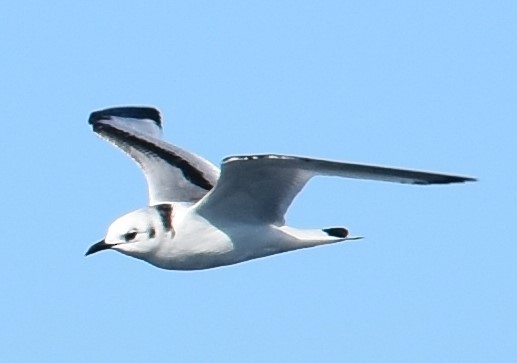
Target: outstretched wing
x=260 y=188
x=173 y=174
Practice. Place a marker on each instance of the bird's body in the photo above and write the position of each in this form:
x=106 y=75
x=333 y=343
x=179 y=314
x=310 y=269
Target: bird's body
x=195 y=243
x=200 y=217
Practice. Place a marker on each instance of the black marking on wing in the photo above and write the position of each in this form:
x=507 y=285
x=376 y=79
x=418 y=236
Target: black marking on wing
x=190 y=173
x=336 y=232
x=165 y=212
x=140 y=112
x=266 y=156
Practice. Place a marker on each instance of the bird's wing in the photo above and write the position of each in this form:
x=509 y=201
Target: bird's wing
x=173 y=174
x=260 y=188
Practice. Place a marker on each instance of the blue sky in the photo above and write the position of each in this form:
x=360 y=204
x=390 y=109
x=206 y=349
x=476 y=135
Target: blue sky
x=427 y=85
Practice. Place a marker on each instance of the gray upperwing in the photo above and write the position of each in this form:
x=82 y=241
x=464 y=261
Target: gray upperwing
x=261 y=187
x=380 y=173
x=172 y=174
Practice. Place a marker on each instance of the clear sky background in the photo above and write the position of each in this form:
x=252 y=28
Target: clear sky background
x=418 y=84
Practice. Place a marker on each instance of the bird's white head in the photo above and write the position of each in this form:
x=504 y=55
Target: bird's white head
x=138 y=233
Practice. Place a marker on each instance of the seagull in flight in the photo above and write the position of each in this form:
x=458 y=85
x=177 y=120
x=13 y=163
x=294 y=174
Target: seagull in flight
x=200 y=217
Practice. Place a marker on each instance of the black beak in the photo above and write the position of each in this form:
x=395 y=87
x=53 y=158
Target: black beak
x=99 y=246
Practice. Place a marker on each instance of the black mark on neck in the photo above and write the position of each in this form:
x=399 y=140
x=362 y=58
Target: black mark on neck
x=165 y=212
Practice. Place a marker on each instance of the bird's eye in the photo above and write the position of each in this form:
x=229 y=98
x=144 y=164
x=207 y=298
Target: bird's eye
x=130 y=236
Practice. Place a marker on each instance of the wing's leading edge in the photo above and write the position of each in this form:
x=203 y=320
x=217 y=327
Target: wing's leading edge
x=172 y=174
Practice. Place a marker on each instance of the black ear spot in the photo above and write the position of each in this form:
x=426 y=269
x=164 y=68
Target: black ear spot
x=152 y=232
x=336 y=232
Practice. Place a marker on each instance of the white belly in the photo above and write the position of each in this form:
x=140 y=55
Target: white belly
x=197 y=244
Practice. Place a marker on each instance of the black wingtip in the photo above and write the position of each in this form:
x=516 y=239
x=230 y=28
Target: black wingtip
x=338 y=232
x=469 y=179
x=142 y=112
x=446 y=179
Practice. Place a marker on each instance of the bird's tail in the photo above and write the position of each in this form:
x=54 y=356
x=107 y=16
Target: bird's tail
x=315 y=237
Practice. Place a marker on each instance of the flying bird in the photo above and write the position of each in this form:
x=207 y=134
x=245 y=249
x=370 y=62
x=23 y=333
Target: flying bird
x=200 y=217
